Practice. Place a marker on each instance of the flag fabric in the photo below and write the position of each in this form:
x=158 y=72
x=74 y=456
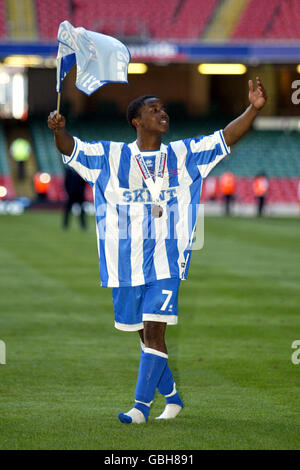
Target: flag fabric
x=134 y=247
x=100 y=59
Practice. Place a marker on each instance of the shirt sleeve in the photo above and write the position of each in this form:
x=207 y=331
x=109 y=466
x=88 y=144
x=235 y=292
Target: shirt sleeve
x=88 y=159
x=206 y=151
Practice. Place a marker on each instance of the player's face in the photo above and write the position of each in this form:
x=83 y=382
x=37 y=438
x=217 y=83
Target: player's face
x=153 y=116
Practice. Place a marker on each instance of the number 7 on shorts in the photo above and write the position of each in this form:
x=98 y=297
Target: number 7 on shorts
x=168 y=293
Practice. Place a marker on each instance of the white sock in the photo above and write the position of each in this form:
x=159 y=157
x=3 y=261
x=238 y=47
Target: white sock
x=170 y=411
x=136 y=416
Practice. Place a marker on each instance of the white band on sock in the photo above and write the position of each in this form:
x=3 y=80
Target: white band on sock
x=172 y=393
x=143 y=403
x=154 y=351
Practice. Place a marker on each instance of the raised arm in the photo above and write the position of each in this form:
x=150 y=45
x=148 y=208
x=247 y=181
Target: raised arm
x=63 y=140
x=237 y=128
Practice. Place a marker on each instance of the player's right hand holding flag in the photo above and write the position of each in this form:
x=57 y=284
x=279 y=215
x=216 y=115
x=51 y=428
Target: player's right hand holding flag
x=63 y=140
x=56 y=121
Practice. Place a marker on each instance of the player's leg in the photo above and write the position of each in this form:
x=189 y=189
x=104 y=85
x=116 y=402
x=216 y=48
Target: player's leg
x=128 y=317
x=261 y=201
x=82 y=216
x=153 y=360
x=67 y=212
x=160 y=303
x=166 y=310
x=167 y=387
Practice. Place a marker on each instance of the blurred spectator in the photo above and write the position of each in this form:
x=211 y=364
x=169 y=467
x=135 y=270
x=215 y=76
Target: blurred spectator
x=211 y=188
x=41 y=183
x=227 y=184
x=75 y=188
x=20 y=150
x=260 y=188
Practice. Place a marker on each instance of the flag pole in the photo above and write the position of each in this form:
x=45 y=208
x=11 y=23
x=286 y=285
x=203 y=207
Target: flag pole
x=58 y=103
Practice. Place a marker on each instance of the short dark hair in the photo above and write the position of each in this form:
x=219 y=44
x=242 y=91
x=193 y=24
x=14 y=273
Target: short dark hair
x=134 y=107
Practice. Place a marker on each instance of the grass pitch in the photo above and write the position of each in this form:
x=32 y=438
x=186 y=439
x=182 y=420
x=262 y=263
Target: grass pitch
x=69 y=372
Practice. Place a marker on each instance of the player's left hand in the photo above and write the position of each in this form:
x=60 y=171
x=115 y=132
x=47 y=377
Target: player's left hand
x=257 y=97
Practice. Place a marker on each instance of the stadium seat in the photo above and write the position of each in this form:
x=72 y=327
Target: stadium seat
x=156 y=19
x=50 y=15
x=48 y=158
x=3 y=20
x=276 y=153
x=110 y=18
x=21 y=21
x=284 y=25
x=4 y=164
x=281 y=190
x=171 y=19
x=5 y=169
x=189 y=22
x=271 y=19
x=255 y=19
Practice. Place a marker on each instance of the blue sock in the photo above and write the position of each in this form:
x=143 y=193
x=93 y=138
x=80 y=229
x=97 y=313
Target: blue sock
x=152 y=364
x=166 y=384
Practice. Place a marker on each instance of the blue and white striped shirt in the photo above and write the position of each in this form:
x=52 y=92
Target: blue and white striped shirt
x=134 y=247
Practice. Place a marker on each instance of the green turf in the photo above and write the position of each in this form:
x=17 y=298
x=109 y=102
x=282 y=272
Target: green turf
x=69 y=372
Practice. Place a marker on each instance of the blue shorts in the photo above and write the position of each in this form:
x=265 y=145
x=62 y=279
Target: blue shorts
x=154 y=301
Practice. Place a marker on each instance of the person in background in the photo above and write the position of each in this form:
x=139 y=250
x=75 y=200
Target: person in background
x=75 y=188
x=41 y=183
x=227 y=184
x=211 y=188
x=20 y=150
x=260 y=189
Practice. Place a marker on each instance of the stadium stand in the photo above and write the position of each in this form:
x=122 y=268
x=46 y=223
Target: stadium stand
x=5 y=170
x=111 y=18
x=2 y=19
x=50 y=15
x=256 y=19
x=172 y=19
x=231 y=20
x=223 y=22
x=4 y=165
x=271 y=152
x=274 y=153
x=285 y=25
x=281 y=190
x=47 y=156
x=21 y=22
x=156 y=19
x=191 y=20
x=49 y=160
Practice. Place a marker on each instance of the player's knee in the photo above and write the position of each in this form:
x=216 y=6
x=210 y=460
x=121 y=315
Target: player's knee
x=154 y=335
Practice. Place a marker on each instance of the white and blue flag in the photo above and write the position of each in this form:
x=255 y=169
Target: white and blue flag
x=100 y=59
x=134 y=247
